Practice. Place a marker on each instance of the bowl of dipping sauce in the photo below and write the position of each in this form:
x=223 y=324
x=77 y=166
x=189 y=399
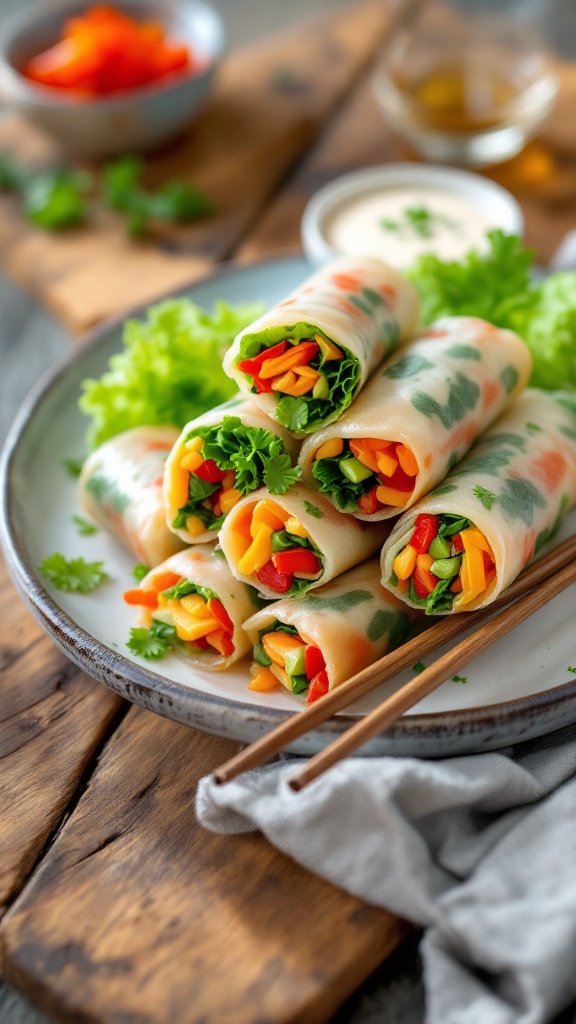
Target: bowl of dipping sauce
x=401 y=211
x=51 y=70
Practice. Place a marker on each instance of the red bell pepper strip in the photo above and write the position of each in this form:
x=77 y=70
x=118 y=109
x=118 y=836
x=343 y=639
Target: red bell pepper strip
x=457 y=542
x=209 y=472
x=425 y=531
x=424 y=581
x=368 y=503
x=217 y=609
x=313 y=660
x=252 y=366
x=276 y=581
x=399 y=481
x=318 y=687
x=296 y=560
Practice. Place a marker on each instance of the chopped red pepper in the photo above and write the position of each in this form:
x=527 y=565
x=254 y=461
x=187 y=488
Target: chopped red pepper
x=313 y=660
x=209 y=472
x=318 y=687
x=253 y=366
x=488 y=562
x=424 y=581
x=146 y=598
x=217 y=609
x=296 y=560
x=103 y=51
x=200 y=642
x=276 y=581
x=425 y=530
x=262 y=386
x=458 y=543
x=368 y=503
x=399 y=481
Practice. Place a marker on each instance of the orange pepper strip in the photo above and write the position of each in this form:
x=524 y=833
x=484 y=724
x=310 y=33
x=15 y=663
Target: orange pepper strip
x=165 y=580
x=297 y=355
x=406 y=459
x=362 y=451
x=146 y=598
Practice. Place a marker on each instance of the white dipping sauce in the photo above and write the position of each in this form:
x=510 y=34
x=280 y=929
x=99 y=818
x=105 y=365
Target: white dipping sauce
x=389 y=223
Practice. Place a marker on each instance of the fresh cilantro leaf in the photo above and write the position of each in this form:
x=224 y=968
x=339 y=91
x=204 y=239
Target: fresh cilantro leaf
x=85 y=529
x=139 y=571
x=55 y=199
x=459 y=679
x=152 y=643
x=419 y=667
x=279 y=474
x=292 y=413
x=74 y=574
x=313 y=510
x=173 y=201
x=73 y=466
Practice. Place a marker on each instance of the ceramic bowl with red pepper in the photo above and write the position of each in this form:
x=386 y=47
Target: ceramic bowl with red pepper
x=105 y=78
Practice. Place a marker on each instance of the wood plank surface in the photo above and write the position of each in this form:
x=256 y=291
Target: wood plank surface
x=269 y=103
x=138 y=914
x=53 y=719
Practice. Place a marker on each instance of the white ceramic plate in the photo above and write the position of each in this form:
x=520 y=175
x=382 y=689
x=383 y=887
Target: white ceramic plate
x=519 y=689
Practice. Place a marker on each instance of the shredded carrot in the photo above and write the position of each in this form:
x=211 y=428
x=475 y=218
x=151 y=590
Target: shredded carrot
x=406 y=459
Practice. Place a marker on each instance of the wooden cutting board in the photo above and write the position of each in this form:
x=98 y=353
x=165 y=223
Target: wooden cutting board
x=269 y=103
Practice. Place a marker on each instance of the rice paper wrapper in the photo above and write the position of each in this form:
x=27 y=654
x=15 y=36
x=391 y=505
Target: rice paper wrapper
x=436 y=396
x=353 y=620
x=342 y=540
x=362 y=305
x=251 y=416
x=121 y=488
x=207 y=568
x=515 y=485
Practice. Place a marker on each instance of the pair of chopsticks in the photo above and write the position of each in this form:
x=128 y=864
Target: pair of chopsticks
x=537 y=585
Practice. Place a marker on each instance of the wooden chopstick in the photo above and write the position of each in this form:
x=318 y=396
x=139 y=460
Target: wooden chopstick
x=383 y=716
x=369 y=678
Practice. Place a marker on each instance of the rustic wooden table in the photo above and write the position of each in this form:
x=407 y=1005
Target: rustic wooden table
x=115 y=905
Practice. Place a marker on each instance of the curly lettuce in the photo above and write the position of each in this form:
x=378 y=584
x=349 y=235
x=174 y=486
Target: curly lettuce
x=498 y=286
x=170 y=368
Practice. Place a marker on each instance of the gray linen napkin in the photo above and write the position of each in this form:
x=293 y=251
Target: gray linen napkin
x=480 y=849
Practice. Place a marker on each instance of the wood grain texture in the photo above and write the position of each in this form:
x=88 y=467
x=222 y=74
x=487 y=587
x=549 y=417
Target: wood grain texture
x=138 y=914
x=52 y=720
x=268 y=105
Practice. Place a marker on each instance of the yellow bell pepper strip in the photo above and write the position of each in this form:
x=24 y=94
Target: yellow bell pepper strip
x=405 y=562
x=268 y=512
x=329 y=350
x=330 y=449
x=191 y=461
x=263 y=680
x=194 y=525
x=278 y=645
x=259 y=552
x=294 y=526
x=390 y=496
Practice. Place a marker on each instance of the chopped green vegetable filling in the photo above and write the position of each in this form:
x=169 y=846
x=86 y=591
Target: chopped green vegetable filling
x=256 y=455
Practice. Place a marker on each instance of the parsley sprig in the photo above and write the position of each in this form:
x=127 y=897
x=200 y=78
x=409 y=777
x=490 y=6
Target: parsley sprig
x=74 y=574
x=152 y=643
x=255 y=455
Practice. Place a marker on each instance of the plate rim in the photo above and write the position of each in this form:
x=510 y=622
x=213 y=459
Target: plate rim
x=92 y=654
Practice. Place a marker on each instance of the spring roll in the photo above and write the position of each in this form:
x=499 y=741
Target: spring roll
x=312 y=645
x=306 y=359
x=219 y=458
x=285 y=545
x=120 y=487
x=192 y=604
x=459 y=547
x=416 y=417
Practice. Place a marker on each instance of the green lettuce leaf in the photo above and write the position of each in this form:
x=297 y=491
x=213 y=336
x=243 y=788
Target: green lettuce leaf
x=550 y=332
x=170 y=369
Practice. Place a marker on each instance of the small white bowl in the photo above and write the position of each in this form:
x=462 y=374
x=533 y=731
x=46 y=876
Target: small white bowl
x=494 y=205
x=139 y=119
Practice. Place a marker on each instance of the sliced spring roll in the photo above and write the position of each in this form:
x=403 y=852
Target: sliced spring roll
x=193 y=605
x=312 y=645
x=219 y=458
x=306 y=359
x=287 y=544
x=459 y=547
x=120 y=487
x=416 y=417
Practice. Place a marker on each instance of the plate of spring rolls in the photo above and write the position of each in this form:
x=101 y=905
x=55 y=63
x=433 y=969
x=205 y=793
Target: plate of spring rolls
x=366 y=477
